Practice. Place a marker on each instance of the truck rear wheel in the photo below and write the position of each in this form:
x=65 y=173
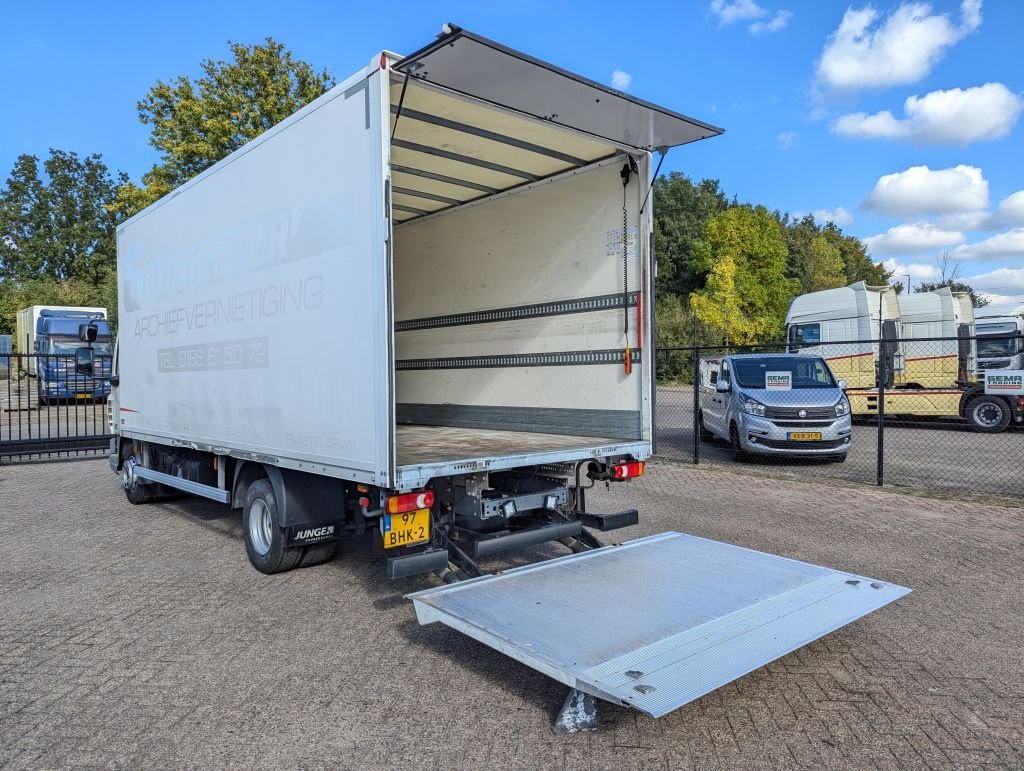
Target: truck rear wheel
x=264 y=536
x=988 y=414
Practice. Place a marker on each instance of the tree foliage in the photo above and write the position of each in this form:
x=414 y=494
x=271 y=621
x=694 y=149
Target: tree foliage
x=747 y=292
x=822 y=257
x=58 y=225
x=57 y=234
x=195 y=123
x=681 y=210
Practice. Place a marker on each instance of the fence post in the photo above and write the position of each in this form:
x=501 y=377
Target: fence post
x=696 y=403
x=883 y=375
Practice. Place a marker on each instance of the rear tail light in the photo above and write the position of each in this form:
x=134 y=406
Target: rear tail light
x=628 y=470
x=1020 y=404
x=400 y=504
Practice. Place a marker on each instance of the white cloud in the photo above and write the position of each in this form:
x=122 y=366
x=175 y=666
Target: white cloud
x=912 y=238
x=1009 y=213
x=919 y=190
x=1006 y=245
x=1011 y=209
x=621 y=80
x=1001 y=280
x=867 y=51
x=839 y=216
x=957 y=116
x=737 y=10
x=787 y=140
x=777 y=22
x=917 y=271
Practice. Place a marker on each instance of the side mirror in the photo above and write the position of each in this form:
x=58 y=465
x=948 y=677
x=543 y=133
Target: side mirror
x=843 y=385
x=84 y=361
x=722 y=386
x=114 y=380
x=35 y=346
x=87 y=332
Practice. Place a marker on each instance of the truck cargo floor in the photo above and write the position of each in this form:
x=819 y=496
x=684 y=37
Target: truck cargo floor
x=434 y=444
x=657 y=622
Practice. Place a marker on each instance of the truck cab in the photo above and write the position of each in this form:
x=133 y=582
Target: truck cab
x=1000 y=330
x=62 y=371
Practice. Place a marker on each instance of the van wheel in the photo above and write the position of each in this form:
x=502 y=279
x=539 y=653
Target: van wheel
x=738 y=454
x=988 y=414
x=318 y=554
x=42 y=400
x=264 y=536
x=705 y=435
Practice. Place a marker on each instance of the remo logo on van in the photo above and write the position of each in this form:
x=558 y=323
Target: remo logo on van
x=778 y=381
x=1005 y=382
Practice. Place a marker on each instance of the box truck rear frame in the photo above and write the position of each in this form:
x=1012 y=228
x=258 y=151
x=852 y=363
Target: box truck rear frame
x=421 y=307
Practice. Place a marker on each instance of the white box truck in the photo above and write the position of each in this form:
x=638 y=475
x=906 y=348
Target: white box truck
x=420 y=310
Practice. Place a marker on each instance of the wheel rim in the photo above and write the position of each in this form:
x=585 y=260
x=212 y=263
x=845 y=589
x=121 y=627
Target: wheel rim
x=128 y=475
x=987 y=415
x=260 y=526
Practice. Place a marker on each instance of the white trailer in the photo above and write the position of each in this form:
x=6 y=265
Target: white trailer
x=420 y=310
x=26 y=323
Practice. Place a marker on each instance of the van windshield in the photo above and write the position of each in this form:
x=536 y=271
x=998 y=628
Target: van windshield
x=804 y=371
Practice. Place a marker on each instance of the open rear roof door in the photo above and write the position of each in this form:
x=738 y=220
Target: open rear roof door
x=480 y=68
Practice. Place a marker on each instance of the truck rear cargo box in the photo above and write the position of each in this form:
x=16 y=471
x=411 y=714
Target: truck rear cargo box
x=410 y=277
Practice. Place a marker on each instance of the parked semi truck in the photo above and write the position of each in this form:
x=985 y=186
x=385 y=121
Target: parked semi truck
x=419 y=311
x=30 y=338
x=925 y=345
x=1000 y=331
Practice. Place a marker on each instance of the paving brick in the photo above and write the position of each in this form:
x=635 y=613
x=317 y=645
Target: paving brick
x=140 y=636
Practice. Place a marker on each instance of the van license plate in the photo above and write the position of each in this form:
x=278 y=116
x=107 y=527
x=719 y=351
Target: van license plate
x=83 y=396
x=805 y=436
x=405 y=529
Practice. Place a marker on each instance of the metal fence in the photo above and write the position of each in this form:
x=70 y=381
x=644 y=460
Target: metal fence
x=52 y=407
x=914 y=413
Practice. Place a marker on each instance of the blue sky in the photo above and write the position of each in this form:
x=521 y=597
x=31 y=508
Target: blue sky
x=901 y=120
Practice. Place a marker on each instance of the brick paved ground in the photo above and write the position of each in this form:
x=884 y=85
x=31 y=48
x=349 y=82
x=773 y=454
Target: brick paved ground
x=140 y=636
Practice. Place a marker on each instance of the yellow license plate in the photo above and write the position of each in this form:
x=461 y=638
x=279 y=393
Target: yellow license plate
x=83 y=396
x=405 y=529
x=805 y=436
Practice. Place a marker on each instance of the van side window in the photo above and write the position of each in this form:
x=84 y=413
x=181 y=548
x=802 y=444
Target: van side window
x=714 y=376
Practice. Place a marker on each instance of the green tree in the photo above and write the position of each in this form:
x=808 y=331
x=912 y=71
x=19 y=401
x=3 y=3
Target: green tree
x=195 y=123
x=823 y=257
x=747 y=292
x=681 y=209
x=58 y=225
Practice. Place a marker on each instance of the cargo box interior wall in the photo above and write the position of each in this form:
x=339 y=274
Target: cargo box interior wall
x=512 y=318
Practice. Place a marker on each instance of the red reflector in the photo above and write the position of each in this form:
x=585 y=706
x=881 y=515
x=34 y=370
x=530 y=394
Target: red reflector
x=628 y=470
x=400 y=504
x=364 y=502
x=383 y=61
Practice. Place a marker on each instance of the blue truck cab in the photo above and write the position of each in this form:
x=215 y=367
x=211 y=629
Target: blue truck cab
x=60 y=368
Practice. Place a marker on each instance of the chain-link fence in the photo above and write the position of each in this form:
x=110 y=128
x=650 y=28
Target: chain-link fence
x=908 y=412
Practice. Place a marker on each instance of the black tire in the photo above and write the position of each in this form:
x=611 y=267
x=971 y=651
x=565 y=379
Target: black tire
x=135 y=491
x=264 y=536
x=988 y=414
x=318 y=554
x=738 y=454
x=705 y=435
x=42 y=400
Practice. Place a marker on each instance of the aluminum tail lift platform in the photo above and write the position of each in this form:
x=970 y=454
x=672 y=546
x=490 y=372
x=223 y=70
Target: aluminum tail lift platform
x=654 y=623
